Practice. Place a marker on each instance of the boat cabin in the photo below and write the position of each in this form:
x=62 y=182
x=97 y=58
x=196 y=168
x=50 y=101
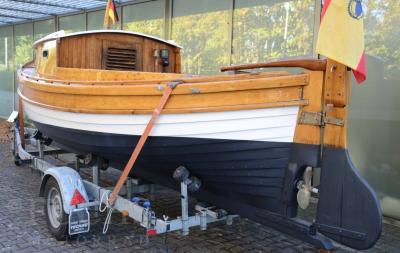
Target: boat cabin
x=106 y=50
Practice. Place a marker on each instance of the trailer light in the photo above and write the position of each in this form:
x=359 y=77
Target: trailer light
x=77 y=198
x=151 y=232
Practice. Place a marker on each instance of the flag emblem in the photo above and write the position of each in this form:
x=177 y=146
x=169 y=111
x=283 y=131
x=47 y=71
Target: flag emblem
x=355 y=9
x=341 y=35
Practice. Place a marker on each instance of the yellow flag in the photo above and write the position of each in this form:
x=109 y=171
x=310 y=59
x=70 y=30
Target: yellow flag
x=341 y=35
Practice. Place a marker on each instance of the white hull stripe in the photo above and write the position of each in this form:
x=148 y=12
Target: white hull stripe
x=270 y=124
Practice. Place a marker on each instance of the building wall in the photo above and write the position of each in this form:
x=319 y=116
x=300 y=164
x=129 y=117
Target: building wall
x=218 y=33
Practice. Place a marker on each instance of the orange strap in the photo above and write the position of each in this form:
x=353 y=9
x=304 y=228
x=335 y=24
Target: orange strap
x=142 y=140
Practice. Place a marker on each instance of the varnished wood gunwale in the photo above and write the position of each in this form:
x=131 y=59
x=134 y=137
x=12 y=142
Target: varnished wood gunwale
x=149 y=78
x=301 y=102
x=185 y=88
x=205 y=94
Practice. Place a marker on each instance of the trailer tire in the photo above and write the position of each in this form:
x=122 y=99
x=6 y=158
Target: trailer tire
x=57 y=219
x=17 y=161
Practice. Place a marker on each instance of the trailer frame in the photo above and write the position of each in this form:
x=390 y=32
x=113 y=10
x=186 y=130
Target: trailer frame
x=69 y=180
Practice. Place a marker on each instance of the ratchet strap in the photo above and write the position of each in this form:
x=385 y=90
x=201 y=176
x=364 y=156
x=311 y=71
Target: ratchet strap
x=156 y=113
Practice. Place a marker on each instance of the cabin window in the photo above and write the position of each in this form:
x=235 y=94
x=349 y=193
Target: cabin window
x=120 y=59
x=45 y=53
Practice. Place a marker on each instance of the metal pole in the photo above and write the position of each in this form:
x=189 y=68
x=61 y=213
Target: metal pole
x=185 y=212
x=96 y=171
x=77 y=167
x=128 y=195
x=40 y=147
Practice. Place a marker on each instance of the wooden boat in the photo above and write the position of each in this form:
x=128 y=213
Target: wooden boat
x=249 y=137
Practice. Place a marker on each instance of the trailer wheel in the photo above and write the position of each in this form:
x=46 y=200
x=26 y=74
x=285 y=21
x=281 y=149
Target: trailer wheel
x=17 y=161
x=57 y=219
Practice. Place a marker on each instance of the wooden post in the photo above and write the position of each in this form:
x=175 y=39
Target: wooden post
x=336 y=99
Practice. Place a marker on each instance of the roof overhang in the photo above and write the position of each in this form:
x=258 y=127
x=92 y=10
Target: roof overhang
x=61 y=34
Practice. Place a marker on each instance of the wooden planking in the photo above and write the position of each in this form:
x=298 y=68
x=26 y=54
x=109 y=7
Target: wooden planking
x=174 y=110
x=46 y=65
x=336 y=86
x=177 y=60
x=336 y=136
x=337 y=93
x=328 y=93
x=309 y=134
x=132 y=100
x=104 y=77
x=87 y=51
x=94 y=75
x=185 y=88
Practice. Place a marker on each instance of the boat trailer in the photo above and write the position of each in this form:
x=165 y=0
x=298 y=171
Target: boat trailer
x=74 y=196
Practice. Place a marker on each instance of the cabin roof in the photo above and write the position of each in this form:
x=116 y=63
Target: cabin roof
x=61 y=34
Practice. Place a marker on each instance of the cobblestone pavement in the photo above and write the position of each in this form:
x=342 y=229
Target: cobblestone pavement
x=23 y=226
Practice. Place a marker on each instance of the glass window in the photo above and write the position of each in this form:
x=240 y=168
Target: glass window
x=374 y=113
x=23 y=52
x=73 y=23
x=264 y=30
x=6 y=71
x=202 y=28
x=96 y=20
x=43 y=28
x=147 y=17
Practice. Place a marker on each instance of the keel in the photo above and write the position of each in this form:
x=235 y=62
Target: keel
x=348 y=210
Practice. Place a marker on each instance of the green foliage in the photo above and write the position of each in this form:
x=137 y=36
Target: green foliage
x=265 y=32
x=382 y=20
x=204 y=38
x=23 y=50
x=154 y=27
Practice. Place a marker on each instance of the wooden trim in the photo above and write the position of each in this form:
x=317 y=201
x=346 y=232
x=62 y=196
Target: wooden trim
x=309 y=134
x=183 y=102
x=336 y=97
x=309 y=64
x=186 y=88
x=141 y=77
x=300 y=102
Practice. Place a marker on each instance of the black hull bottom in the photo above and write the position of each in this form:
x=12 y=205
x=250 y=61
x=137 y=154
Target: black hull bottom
x=251 y=178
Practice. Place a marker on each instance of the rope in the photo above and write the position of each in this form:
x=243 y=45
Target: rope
x=105 y=197
x=107 y=221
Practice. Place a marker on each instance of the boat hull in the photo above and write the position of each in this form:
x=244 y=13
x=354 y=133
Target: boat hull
x=246 y=160
x=252 y=172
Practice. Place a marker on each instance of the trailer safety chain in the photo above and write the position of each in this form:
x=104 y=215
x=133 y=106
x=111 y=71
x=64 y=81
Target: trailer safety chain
x=101 y=201
x=105 y=196
x=108 y=220
x=156 y=113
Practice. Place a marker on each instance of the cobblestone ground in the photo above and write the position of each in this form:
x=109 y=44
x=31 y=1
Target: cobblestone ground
x=23 y=226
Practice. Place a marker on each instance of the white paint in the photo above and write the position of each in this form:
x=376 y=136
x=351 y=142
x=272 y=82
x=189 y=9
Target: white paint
x=62 y=34
x=270 y=124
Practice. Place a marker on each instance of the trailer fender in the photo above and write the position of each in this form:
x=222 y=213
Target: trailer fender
x=69 y=181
